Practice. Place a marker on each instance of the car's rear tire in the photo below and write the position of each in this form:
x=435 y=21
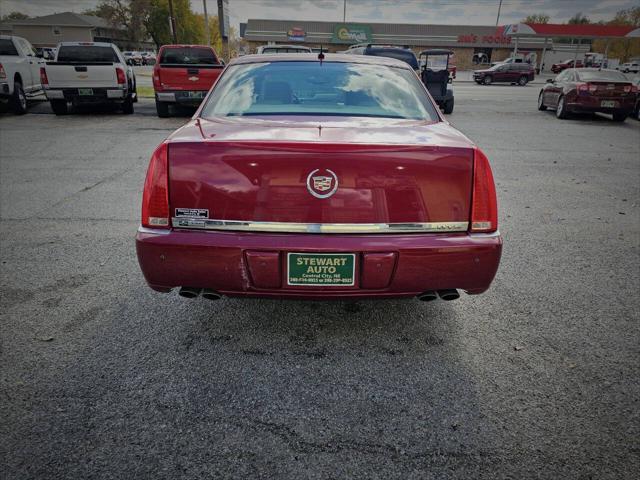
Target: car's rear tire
x=59 y=107
x=127 y=105
x=162 y=108
x=541 y=106
x=18 y=100
x=619 y=117
x=561 y=109
x=448 y=106
x=487 y=80
x=523 y=80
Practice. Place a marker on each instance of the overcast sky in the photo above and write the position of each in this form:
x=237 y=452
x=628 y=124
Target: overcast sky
x=461 y=12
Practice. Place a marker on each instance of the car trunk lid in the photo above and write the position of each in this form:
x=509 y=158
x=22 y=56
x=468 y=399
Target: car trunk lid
x=317 y=178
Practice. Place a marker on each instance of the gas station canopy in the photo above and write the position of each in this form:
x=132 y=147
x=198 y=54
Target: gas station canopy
x=548 y=30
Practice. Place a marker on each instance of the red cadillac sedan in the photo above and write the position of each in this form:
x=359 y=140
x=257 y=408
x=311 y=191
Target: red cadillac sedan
x=319 y=176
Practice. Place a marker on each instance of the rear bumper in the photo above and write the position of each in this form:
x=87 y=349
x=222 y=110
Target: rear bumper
x=98 y=95
x=4 y=90
x=254 y=264
x=592 y=105
x=182 y=97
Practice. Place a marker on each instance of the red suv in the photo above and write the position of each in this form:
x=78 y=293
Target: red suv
x=520 y=73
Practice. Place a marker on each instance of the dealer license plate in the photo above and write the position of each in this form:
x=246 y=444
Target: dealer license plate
x=608 y=104
x=321 y=269
x=85 y=91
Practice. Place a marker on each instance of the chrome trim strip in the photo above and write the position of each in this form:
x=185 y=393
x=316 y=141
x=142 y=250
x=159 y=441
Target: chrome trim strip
x=156 y=231
x=486 y=235
x=293 y=227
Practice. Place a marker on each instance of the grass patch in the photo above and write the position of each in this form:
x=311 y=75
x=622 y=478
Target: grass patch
x=145 y=92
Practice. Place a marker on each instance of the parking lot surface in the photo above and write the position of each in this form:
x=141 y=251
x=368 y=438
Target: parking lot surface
x=100 y=377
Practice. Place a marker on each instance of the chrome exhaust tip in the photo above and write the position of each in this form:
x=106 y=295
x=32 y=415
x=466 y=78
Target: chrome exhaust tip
x=211 y=294
x=427 y=296
x=189 y=292
x=448 y=295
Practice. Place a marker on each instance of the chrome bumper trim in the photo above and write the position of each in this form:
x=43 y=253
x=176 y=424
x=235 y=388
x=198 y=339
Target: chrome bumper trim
x=293 y=227
x=155 y=231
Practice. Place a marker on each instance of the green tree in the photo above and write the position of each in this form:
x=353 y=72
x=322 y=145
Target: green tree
x=13 y=16
x=536 y=18
x=622 y=48
x=579 y=19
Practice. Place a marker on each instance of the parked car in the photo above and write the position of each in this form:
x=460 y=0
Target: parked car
x=636 y=108
x=88 y=73
x=559 y=67
x=513 y=73
x=392 y=51
x=253 y=197
x=589 y=90
x=19 y=72
x=148 y=58
x=132 y=58
x=282 y=49
x=183 y=75
x=629 y=67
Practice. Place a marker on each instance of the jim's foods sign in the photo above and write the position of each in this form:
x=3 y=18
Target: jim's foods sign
x=350 y=33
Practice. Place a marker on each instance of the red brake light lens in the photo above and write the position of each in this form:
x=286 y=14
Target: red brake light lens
x=627 y=88
x=43 y=77
x=155 y=198
x=484 y=204
x=583 y=87
x=121 y=78
x=3 y=74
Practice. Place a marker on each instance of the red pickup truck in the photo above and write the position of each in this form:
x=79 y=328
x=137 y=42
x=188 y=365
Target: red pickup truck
x=183 y=74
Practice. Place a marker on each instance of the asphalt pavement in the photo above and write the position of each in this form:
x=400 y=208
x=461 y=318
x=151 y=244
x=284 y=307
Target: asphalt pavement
x=102 y=378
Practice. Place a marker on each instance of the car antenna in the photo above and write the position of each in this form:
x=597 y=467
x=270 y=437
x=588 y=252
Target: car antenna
x=321 y=55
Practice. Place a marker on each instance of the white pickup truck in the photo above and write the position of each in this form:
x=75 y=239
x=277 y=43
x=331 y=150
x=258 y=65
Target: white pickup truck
x=88 y=73
x=19 y=72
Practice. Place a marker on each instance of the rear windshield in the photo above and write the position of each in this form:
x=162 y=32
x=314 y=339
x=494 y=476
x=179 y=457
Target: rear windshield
x=7 y=47
x=404 y=55
x=285 y=50
x=87 y=54
x=314 y=88
x=601 y=76
x=188 y=56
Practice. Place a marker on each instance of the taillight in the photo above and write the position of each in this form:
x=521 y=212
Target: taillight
x=583 y=87
x=3 y=74
x=156 y=79
x=121 y=78
x=484 y=204
x=43 y=77
x=155 y=198
x=592 y=88
x=627 y=88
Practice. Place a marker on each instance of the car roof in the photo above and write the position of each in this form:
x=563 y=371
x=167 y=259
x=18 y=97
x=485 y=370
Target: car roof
x=282 y=45
x=313 y=57
x=86 y=44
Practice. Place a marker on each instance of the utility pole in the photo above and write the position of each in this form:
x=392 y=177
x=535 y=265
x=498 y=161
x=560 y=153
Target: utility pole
x=172 y=23
x=499 y=8
x=344 y=11
x=206 y=22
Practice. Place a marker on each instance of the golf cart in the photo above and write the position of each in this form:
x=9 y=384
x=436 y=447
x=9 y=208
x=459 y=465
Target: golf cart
x=434 y=71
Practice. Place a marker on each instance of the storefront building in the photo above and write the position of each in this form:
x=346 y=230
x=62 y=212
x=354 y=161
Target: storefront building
x=471 y=44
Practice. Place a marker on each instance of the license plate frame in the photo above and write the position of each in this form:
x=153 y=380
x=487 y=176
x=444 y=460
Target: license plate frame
x=83 y=92
x=195 y=95
x=322 y=275
x=608 y=104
